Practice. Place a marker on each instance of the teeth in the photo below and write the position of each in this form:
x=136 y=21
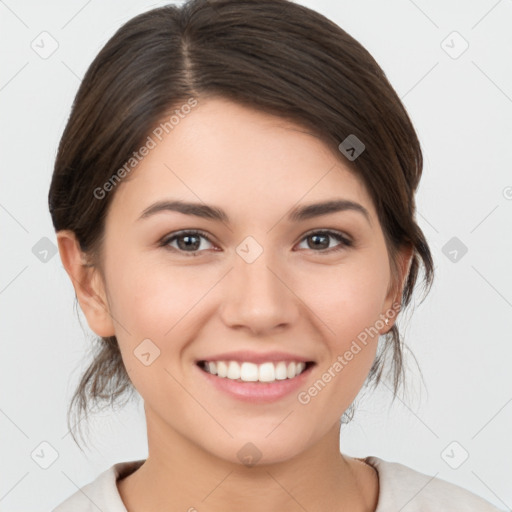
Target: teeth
x=250 y=372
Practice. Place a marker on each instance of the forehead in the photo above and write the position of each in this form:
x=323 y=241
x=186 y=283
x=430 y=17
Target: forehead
x=228 y=154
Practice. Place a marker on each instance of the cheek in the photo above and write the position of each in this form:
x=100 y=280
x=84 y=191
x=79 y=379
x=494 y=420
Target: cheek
x=347 y=308
x=155 y=306
x=152 y=304
x=348 y=298
x=158 y=302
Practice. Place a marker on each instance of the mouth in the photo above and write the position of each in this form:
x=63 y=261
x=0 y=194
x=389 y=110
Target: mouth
x=255 y=384
x=267 y=372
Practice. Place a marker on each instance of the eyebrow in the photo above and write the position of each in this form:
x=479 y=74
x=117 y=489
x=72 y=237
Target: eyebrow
x=300 y=213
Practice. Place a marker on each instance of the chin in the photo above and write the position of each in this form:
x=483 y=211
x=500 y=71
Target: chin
x=259 y=448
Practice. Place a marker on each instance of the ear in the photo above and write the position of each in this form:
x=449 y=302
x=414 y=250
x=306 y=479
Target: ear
x=88 y=284
x=394 y=295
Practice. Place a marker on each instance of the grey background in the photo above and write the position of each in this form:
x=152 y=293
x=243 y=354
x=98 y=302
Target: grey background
x=461 y=335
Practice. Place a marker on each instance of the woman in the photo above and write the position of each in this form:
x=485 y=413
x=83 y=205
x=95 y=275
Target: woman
x=233 y=198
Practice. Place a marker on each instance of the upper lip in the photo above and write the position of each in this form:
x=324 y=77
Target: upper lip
x=255 y=357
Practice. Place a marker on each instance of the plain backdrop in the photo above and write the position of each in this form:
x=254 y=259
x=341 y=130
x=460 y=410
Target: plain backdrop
x=460 y=101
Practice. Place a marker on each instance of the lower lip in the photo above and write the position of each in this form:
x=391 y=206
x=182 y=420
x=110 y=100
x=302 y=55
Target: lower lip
x=257 y=392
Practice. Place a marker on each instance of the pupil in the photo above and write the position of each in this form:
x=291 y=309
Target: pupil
x=316 y=237
x=188 y=237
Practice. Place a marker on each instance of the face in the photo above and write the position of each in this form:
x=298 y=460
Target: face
x=258 y=280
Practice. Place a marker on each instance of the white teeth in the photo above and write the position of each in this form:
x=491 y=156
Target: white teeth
x=222 y=369
x=281 y=371
x=267 y=372
x=291 y=371
x=250 y=372
x=233 y=370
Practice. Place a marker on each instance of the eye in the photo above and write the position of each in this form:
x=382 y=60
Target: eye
x=320 y=240
x=188 y=241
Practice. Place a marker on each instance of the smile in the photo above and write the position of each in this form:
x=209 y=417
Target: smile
x=271 y=388
x=251 y=372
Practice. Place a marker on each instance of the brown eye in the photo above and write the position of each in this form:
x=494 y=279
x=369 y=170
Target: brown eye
x=319 y=241
x=187 y=242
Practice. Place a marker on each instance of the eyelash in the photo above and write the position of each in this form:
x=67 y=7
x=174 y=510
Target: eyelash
x=345 y=242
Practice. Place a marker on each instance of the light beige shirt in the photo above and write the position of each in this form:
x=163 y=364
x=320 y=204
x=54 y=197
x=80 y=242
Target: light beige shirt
x=401 y=488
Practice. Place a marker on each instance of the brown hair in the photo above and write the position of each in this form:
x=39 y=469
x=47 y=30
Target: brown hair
x=272 y=55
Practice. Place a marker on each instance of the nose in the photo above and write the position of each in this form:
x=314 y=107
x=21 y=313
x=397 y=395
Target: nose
x=258 y=298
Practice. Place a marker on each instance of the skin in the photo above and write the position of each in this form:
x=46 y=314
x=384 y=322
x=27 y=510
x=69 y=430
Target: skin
x=292 y=298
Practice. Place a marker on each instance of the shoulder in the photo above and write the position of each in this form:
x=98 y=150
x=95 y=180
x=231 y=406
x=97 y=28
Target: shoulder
x=401 y=487
x=101 y=493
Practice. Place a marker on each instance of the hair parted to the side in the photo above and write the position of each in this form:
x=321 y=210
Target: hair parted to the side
x=273 y=55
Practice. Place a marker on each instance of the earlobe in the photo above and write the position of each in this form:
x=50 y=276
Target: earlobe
x=88 y=284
